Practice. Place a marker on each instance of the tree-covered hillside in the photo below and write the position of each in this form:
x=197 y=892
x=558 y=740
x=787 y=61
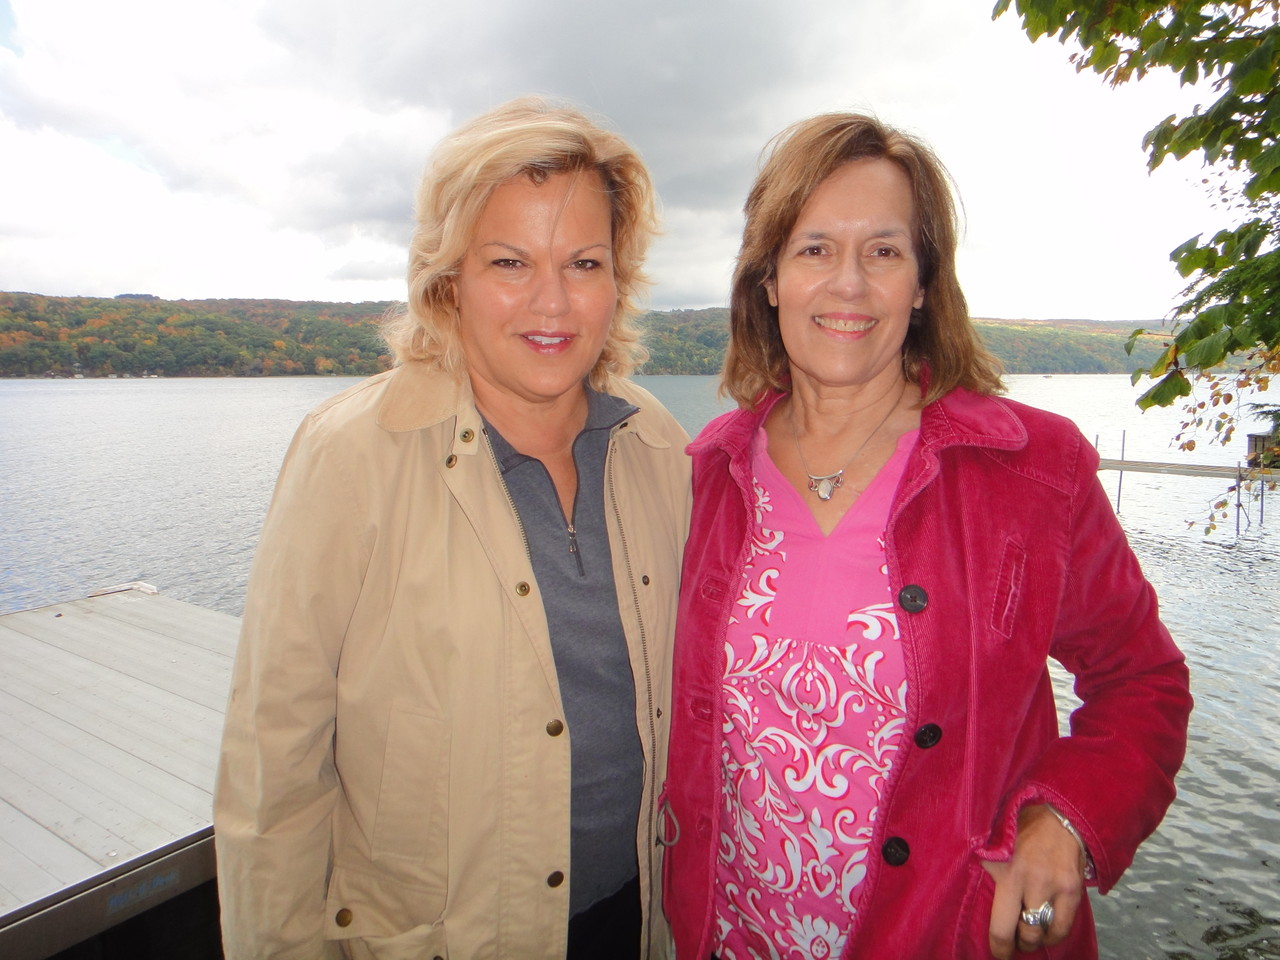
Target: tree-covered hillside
x=693 y=341
x=141 y=336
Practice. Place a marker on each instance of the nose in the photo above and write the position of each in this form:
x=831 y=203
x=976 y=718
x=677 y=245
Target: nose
x=848 y=279
x=550 y=295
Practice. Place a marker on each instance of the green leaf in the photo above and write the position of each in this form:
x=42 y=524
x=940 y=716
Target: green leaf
x=1191 y=257
x=1256 y=72
x=1206 y=323
x=1104 y=57
x=1208 y=352
x=1261 y=186
x=1162 y=362
x=1152 y=33
x=1171 y=388
x=1134 y=337
x=1186 y=247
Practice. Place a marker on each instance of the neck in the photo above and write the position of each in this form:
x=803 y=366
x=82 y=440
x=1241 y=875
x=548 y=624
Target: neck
x=830 y=415
x=536 y=428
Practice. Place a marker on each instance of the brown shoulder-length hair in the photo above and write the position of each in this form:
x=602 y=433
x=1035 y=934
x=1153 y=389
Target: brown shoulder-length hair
x=534 y=138
x=940 y=336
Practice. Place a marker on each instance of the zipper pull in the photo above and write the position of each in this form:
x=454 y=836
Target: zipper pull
x=573 y=548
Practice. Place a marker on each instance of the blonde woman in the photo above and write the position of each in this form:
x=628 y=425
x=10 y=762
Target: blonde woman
x=447 y=729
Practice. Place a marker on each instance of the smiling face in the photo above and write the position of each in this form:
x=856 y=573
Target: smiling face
x=847 y=279
x=535 y=292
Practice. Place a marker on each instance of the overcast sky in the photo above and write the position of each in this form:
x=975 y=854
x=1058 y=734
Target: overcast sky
x=270 y=148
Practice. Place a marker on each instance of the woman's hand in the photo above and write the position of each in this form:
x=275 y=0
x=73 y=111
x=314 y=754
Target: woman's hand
x=1047 y=867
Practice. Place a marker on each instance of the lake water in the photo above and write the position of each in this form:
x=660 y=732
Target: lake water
x=167 y=481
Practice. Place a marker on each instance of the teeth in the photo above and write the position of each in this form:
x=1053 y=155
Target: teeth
x=546 y=341
x=844 y=326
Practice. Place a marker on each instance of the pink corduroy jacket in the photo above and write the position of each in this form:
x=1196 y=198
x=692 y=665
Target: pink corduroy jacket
x=1002 y=552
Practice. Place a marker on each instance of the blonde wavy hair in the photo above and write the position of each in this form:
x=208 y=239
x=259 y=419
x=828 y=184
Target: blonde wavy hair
x=527 y=137
x=940 y=337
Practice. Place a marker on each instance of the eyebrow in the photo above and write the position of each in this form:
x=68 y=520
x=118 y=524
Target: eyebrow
x=887 y=233
x=524 y=254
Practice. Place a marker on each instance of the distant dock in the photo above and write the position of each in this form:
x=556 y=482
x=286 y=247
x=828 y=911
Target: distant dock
x=111 y=713
x=1191 y=470
x=1236 y=476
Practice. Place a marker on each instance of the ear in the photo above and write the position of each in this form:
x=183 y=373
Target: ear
x=919 y=301
x=771 y=288
x=453 y=291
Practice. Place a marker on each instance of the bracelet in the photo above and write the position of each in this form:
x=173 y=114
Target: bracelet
x=1090 y=873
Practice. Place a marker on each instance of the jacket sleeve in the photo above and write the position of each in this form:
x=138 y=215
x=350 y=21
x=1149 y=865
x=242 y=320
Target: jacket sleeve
x=276 y=785
x=1113 y=776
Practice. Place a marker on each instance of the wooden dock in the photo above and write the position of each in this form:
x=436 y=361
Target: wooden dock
x=111 y=714
x=1190 y=470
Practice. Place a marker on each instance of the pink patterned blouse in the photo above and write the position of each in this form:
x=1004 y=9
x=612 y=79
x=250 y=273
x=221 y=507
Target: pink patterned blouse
x=814 y=704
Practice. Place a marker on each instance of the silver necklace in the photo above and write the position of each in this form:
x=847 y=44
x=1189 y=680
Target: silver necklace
x=826 y=484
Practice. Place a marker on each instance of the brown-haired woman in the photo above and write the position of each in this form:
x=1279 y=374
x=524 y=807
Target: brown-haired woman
x=446 y=727
x=865 y=759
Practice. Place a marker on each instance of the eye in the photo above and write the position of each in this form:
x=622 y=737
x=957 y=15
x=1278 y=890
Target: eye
x=884 y=250
x=812 y=250
x=586 y=264
x=506 y=263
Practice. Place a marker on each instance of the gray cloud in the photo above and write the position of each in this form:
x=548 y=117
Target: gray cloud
x=312 y=123
x=682 y=81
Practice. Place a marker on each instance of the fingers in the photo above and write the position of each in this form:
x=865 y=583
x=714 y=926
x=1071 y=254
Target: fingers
x=1046 y=869
x=1006 y=904
x=1064 y=906
x=1009 y=928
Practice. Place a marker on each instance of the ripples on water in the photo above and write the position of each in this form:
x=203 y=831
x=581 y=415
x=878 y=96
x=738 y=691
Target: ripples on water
x=167 y=481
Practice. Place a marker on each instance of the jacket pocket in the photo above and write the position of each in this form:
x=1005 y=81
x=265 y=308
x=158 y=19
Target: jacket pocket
x=973 y=940
x=421 y=943
x=973 y=932
x=1008 y=588
x=412 y=820
x=372 y=911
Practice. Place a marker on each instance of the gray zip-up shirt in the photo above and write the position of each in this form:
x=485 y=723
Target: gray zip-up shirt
x=574 y=569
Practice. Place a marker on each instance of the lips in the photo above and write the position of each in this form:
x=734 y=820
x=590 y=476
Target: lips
x=845 y=322
x=549 y=344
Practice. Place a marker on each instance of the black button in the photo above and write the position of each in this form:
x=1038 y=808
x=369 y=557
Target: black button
x=928 y=736
x=913 y=598
x=895 y=851
x=555 y=879
x=555 y=728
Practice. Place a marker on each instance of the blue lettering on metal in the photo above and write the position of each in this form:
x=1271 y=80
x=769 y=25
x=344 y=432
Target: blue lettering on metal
x=143 y=890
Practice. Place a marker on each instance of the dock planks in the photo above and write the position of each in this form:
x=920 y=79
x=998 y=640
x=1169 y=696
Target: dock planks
x=111 y=714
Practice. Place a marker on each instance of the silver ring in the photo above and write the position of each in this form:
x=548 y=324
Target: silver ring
x=1039 y=918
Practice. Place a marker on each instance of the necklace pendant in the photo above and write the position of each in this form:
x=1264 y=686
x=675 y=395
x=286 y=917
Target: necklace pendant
x=825 y=487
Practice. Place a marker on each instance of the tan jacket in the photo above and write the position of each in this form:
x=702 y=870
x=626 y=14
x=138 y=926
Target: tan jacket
x=395 y=767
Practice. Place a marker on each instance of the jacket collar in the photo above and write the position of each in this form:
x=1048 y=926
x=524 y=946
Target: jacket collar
x=732 y=431
x=420 y=395
x=964 y=418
